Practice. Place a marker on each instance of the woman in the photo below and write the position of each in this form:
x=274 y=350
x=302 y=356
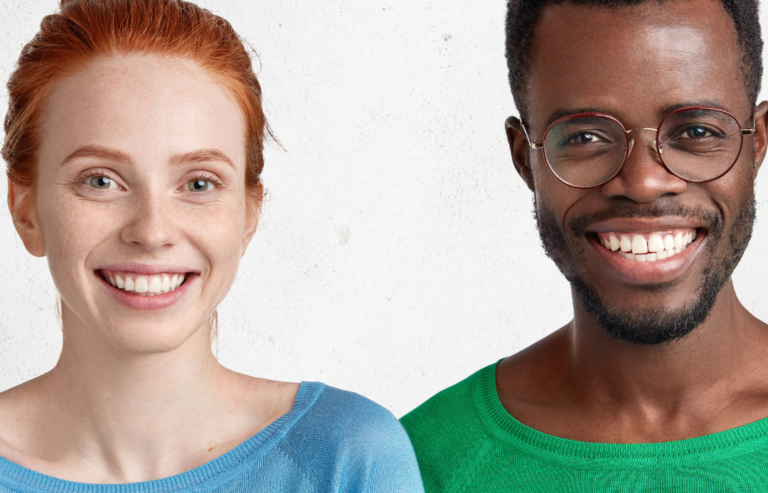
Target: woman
x=134 y=149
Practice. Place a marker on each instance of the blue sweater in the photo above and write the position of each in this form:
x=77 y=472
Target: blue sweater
x=330 y=441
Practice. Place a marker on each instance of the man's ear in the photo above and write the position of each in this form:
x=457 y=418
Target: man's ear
x=253 y=202
x=518 y=146
x=22 y=207
x=760 y=137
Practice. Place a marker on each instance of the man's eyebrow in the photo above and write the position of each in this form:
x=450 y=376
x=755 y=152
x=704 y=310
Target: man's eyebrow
x=685 y=104
x=98 y=152
x=563 y=112
x=202 y=156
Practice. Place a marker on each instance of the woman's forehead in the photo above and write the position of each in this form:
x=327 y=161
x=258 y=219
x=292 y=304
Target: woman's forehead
x=145 y=106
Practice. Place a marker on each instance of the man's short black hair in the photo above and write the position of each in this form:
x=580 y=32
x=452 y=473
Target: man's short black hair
x=522 y=16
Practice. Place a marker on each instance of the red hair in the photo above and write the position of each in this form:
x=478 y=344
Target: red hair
x=87 y=29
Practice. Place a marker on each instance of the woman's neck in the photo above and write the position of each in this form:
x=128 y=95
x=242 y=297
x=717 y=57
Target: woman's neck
x=108 y=415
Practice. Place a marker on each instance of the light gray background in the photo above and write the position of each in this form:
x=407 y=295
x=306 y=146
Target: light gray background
x=397 y=253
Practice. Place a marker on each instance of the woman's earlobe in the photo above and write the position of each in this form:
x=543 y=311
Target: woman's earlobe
x=518 y=147
x=20 y=204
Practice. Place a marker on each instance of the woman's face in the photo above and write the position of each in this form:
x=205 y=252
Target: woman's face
x=141 y=185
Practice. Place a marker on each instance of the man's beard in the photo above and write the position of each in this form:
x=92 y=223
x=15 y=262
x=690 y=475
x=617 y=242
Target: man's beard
x=653 y=324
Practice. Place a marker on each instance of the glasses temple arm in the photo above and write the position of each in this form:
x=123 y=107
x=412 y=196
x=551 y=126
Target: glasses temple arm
x=535 y=144
x=750 y=131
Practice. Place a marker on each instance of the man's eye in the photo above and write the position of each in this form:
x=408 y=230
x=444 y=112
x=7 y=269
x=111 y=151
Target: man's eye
x=696 y=133
x=199 y=185
x=583 y=138
x=102 y=183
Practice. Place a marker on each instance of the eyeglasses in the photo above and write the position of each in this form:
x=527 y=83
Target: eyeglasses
x=695 y=143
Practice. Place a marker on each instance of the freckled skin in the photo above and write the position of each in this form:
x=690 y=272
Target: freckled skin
x=137 y=395
x=579 y=383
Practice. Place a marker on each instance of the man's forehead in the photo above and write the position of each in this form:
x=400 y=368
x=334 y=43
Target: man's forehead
x=635 y=61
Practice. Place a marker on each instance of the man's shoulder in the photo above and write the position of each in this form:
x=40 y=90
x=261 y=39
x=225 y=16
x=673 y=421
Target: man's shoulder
x=448 y=431
x=452 y=404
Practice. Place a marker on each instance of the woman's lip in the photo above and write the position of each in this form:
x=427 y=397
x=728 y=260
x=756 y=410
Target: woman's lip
x=148 y=303
x=147 y=270
x=657 y=272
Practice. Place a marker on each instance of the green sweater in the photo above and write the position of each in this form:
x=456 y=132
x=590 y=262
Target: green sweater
x=467 y=442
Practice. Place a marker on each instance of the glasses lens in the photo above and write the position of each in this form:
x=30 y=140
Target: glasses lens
x=699 y=144
x=585 y=151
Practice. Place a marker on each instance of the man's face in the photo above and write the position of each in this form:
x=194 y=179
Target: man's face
x=636 y=63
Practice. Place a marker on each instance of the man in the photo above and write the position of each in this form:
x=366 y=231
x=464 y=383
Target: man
x=640 y=140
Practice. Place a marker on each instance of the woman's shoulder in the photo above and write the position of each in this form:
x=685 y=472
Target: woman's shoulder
x=350 y=440
x=343 y=416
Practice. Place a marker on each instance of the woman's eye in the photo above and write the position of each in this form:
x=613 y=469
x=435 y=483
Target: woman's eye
x=102 y=183
x=199 y=185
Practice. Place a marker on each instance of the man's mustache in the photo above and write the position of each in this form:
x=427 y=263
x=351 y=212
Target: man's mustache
x=711 y=217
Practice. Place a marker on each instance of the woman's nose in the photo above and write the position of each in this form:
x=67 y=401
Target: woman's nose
x=150 y=223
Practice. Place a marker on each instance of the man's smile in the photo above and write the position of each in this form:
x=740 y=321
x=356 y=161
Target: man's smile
x=648 y=247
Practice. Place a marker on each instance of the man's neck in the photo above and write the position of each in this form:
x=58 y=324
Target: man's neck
x=581 y=383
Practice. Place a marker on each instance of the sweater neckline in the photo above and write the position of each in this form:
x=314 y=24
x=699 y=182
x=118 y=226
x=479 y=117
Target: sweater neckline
x=228 y=464
x=506 y=427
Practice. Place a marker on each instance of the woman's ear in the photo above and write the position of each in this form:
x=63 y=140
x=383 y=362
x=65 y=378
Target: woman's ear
x=518 y=146
x=21 y=204
x=760 y=138
x=253 y=202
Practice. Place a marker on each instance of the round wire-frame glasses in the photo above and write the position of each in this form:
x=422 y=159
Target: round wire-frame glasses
x=692 y=147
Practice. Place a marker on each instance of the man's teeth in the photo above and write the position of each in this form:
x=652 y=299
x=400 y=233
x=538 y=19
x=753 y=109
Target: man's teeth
x=146 y=285
x=648 y=247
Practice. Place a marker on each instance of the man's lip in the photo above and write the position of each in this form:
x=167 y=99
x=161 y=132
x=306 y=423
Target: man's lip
x=643 y=225
x=147 y=270
x=647 y=273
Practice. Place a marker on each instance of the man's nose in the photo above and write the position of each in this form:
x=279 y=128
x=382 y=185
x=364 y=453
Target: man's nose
x=150 y=224
x=644 y=178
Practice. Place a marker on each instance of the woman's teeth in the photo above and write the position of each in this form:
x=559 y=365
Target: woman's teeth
x=648 y=247
x=145 y=285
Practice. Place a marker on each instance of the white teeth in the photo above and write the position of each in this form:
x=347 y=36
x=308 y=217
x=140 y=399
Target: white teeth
x=639 y=245
x=626 y=243
x=155 y=284
x=655 y=243
x=614 y=243
x=142 y=286
x=146 y=285
x=669 y=242
x=647 y=247
x=679 y=240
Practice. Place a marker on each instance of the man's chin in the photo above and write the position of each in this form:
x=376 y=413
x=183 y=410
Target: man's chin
x=652 y=325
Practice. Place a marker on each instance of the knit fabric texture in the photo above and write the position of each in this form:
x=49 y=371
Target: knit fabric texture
x=466 y=441
x=331 y=441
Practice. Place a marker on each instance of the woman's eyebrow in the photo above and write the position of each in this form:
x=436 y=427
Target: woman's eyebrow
x=199 y=156
x=99 y=152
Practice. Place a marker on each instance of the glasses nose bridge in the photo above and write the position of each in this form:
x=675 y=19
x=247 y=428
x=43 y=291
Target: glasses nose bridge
x=632 y=140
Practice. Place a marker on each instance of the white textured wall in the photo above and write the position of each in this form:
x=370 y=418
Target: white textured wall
x=397 y=253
